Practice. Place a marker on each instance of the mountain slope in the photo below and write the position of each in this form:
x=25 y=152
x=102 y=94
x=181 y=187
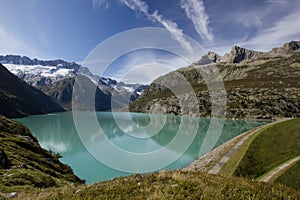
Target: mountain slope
x=261 y=86
x=106 y=92
x=25 y=165
x=18 y=99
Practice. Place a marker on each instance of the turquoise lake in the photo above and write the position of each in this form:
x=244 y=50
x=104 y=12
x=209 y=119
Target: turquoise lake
x=59 y=133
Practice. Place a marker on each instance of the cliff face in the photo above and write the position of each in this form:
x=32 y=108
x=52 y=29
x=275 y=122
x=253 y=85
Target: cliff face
x=258 y=85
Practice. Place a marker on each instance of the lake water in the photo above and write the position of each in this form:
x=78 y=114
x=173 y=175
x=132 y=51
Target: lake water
x=82 y=147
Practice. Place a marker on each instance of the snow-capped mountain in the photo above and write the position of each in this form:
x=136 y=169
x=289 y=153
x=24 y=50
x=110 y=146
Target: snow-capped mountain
x=52 y=75
x=18 y=99
x=37 y=72
x=41 y=73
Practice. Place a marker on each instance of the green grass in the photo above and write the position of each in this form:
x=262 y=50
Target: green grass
x=229 y=167
x=291 y=177
x=169 y=185
x=272 y=147
x=40 y=168
x=279 y=173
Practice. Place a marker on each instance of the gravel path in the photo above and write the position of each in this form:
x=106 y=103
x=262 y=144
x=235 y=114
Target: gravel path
x=215 y=159
x=216 y=169
x=207 y=161
x=278 y=169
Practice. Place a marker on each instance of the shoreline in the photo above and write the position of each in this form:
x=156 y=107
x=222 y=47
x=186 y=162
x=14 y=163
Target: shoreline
x=209 y=160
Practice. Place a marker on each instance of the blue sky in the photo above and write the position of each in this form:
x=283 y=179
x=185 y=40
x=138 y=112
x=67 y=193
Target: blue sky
x=70 y=29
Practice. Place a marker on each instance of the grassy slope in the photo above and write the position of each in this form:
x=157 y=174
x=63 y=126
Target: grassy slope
x=43 y=169
x=291 y=177
x=270 y=148
x=170 y=185
x=229 y=167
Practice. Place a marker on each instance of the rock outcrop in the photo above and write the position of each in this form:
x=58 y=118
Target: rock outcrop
x=210 y=57
x=287 y=48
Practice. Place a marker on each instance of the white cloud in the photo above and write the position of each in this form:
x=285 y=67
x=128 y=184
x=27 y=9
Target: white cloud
x=143 y=74
x=282 y=31
x=195 y=10
x=277 y=2
x=137 y=5
x=144 y=67
x=10 y=44
x=221 y=50
x=100 y=3
x=172 y=27
x=249 y=19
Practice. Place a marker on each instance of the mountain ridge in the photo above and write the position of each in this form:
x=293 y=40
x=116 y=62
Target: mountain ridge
x=239 y=54
x=56 y=78
x=257 y=87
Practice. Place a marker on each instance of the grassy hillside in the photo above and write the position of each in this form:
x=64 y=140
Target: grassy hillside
x=18 y=99
x=291 y=177
x=24 y=165
x=170 y=185
x=272 y=147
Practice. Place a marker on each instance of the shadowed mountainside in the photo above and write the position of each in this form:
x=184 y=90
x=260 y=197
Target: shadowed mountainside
x=18 y=99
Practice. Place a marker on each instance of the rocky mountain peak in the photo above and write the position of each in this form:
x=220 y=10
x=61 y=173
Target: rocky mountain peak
x=210 y=57
x=239 y=54
x=287 y=48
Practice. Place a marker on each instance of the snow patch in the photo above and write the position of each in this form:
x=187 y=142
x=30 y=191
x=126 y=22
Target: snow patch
x=46 y=71
x=129 y=89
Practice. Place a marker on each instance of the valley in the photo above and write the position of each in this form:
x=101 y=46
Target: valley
x=146 y=100
x=260 y=88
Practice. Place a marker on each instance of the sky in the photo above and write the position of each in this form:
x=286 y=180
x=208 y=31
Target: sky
x=71 y=29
